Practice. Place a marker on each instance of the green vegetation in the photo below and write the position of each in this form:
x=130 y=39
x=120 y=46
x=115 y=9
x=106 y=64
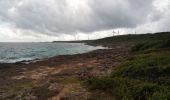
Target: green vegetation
x=151 y=45
x=68 y=80
x=137 y=38
x=143 y=76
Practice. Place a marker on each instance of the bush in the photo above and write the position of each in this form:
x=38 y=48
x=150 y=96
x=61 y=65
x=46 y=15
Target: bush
x=163 y=94
x=128 y=89
x=148 y=45
x=151 y=45
x=166 y=44
x=145 y=66
x=99 y=83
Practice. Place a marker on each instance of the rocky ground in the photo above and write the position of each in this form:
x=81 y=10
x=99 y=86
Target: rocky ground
x=59 y=78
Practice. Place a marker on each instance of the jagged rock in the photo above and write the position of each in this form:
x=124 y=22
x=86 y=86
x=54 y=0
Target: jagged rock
x=23 y=94
x=75 y=96
x=55 y=87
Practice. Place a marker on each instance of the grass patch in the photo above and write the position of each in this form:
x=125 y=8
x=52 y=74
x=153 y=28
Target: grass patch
x=68 y=80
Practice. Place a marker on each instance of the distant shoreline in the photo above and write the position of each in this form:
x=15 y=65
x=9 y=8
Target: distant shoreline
x=41 y=59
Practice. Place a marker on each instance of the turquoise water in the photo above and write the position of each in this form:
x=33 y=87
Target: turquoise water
x=15 y=52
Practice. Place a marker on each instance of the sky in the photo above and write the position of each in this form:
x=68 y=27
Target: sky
x=55 y=20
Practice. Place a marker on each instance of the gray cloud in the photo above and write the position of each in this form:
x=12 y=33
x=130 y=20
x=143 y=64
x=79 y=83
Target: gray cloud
x=121 y=13
x=69 y=16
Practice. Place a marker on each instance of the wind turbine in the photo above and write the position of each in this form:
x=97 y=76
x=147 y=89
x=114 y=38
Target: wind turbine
x=88 y=37
x=114 y=32
x=118 y=32
x=135 y=32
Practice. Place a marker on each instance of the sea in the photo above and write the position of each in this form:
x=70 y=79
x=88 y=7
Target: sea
x=17 y=52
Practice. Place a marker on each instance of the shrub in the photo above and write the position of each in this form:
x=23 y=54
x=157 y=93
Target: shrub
x=163 y=94
x=145 y=66
x=99 y=83
x=166 y=44
x=128 y=89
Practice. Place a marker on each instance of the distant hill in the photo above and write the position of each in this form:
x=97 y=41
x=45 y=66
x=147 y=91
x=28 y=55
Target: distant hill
x=131 y=38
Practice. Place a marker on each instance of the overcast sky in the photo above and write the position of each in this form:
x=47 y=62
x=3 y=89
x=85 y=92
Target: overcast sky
x=48 y=20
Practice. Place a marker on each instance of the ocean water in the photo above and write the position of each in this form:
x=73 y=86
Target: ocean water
x=15 y=52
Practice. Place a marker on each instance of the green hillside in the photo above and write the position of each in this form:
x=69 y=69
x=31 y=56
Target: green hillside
x=145 y=75
x=136 y=38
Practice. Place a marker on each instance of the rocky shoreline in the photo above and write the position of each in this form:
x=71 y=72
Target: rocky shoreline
x=58 y=78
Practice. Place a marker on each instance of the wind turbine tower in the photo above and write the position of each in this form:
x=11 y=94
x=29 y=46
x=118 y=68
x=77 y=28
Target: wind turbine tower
x=118 y=32
x=114 y=32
